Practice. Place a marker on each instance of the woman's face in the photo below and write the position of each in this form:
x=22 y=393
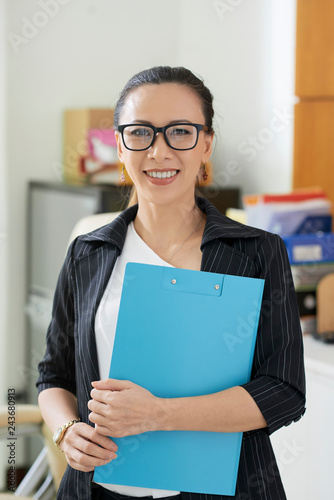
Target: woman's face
x=162 y=105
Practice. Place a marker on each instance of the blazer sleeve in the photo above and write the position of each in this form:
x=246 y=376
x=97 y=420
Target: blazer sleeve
x=278 y=379
x=57 y=369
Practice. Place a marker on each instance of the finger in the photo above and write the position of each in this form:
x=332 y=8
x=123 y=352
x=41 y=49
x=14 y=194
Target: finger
x=85 y=455
x=83 y=460
x=111 y=384
x=96 y=418
x=98 y=407
x=102 y=396
x=93 y=451
x=105 y=442
x=106 y=431
x=90 y=433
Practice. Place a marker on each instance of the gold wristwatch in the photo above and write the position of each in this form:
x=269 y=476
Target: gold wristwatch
x=60 y=432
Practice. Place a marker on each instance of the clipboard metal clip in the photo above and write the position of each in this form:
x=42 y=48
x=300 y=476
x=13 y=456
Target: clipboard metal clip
x=186 y=281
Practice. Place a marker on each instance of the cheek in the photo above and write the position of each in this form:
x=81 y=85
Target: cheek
x=133 y=163
x=193 y=162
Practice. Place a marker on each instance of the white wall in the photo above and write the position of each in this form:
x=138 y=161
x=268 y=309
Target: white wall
x=85 y=50
x=245 y=50
x=82 y=57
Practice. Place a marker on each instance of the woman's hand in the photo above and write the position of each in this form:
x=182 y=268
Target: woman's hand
x=85 y=448
x=121 y=408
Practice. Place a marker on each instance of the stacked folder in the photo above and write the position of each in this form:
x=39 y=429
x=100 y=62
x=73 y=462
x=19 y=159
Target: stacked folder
x=303 y=219
x=299 y=212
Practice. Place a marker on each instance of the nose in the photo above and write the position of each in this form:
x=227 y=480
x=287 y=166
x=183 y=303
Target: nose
x=160 y=149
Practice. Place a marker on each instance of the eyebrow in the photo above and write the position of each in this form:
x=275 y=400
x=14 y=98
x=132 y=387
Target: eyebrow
x=173 y=122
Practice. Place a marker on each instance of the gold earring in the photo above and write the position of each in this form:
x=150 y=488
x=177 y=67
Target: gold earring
x=122 y=176
x=204 y=173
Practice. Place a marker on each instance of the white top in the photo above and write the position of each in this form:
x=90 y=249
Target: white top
x=134 y=250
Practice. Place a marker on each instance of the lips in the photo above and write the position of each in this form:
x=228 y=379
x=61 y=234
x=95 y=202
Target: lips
x=159 y=174
x=161 y=177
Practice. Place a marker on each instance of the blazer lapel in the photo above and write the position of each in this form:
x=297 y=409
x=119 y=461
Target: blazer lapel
x=92 y=275
x=92 y=270
x=218 y=257
x=220 y=235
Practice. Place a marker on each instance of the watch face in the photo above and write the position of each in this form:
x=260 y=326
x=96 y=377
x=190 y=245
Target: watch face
x=57 y=435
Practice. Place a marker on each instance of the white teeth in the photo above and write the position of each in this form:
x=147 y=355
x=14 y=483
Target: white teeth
x=162 y=175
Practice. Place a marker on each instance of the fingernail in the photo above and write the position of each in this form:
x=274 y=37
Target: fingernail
x=111 y=458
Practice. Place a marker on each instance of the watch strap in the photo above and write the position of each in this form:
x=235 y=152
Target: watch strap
x=64 y=429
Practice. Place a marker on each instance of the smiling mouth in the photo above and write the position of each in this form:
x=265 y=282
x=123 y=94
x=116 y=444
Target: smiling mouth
x=157 y=174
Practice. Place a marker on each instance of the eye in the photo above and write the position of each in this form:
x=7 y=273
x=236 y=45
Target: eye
x=179 y=131
x=140 y=131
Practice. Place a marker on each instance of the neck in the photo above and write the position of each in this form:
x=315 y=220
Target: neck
x=165 y=227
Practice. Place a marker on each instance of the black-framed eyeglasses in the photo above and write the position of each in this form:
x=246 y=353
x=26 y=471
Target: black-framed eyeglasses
x=179 y=136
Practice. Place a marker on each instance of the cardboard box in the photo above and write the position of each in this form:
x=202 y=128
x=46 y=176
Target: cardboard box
x=77 y=123
x=304 y=248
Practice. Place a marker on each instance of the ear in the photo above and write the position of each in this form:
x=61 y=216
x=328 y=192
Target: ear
x=120 y=149
x=207 y=150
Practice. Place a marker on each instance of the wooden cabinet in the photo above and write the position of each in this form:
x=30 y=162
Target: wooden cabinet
x=314 y=145
x=315 y=48
x=314 y=114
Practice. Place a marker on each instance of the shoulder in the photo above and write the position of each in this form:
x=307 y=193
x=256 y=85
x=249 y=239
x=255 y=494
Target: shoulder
x=247 y=239
x=111 y=235
x=221 y=225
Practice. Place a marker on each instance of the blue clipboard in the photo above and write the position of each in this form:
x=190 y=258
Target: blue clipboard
x=182 y=333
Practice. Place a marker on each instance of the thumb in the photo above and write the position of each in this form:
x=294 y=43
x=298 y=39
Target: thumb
x=111 y=384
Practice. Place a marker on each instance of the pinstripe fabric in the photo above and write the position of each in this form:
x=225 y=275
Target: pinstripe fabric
x=277 y=382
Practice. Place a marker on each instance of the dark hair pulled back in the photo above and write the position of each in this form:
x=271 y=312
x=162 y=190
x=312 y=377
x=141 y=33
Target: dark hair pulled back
x=168 y=74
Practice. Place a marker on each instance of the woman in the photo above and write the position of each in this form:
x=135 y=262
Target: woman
x=164 y=135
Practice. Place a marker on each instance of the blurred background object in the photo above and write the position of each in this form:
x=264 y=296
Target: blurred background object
x=297 y=212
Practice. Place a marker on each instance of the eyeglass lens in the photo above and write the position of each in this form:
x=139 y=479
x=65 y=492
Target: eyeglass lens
x=177 y=136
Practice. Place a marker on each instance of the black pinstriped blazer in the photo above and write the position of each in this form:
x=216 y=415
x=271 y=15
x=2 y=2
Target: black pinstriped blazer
x=277 y=383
